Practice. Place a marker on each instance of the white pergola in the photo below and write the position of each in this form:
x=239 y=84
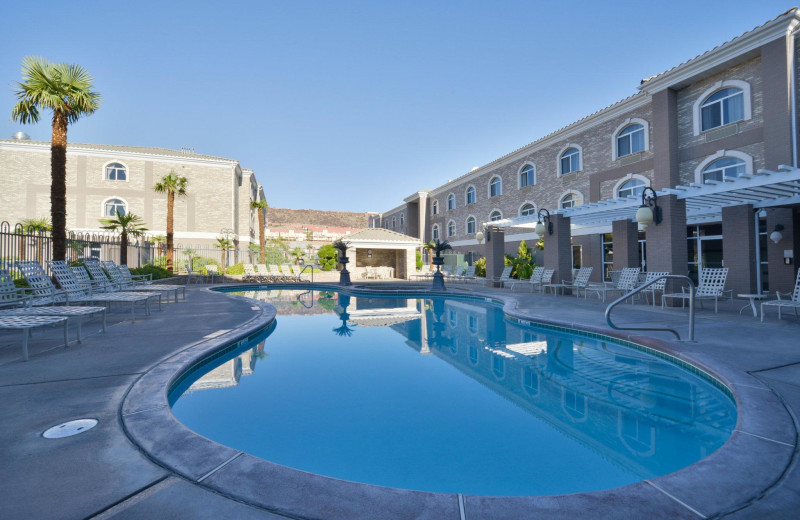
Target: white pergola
x=704 y=202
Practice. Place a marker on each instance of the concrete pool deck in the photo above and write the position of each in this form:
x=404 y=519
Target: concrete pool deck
x=139 y=462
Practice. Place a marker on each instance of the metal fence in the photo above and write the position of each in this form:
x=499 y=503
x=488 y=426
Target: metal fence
x=18 y=243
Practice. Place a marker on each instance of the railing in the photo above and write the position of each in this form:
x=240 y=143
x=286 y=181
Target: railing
x=645 y=286
x=303 y=270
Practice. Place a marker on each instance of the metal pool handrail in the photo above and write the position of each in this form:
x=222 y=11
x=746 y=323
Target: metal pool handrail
x=645 y=286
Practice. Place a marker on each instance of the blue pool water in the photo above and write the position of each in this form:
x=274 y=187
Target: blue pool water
x=449 y=395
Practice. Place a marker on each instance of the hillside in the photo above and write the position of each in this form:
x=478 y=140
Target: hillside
x=294 y=218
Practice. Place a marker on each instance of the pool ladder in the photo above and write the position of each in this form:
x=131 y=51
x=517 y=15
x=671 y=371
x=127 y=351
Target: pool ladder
x=645 y=286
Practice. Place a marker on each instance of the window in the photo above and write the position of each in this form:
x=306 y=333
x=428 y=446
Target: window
x=527 y=209
x=394 y=222
x=633 y=187
x=723 y=107
x=568 y=201
x=495 y=215
x=495 y=187
x=435 y=232
x=470 y=225
x=116 y=172
x=727 y=167
x=451 y=229
x=630 y=140
x=451 y=201
x=402 y=219
x=113 y=206
x=435 y=207
x=527 y=177
x=470 y=195
x=570 y=161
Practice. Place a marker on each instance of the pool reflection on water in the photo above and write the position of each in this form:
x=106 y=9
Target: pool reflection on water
x=449 y=395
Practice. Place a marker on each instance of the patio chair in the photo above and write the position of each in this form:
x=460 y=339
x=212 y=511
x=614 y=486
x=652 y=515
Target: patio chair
x=26 y=323
x=73 y=292
x=424 y=272
x=277 y=275
x=103 y=284
x=212 y=271
x=147 y=281
x=127 y=283
x=468 y=275
x=626 y=282
x=547 y=278
x=712 y=286
x=23 y=304
x=262 y=274
x=536 y=277
x=250 y=274
x=656 y=287
x=580 y=281
x=793 y=302
x=192 y=276
x=505 y=276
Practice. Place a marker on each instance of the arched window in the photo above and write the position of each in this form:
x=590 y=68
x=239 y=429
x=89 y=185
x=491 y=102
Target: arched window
x=451 y=201
x=726 y=167
x=435 y=232
x=495 y=216
x=470 y=225
x=567 y=201
x=723 y=107
x=630 y=140
x=570 y=160
x=435 y=207
x=527 y=177
x=469 y=197
x=527 y=209
x=116 y=172
x=495 y=187
x=451 y=228
x=113 y=206
x=394 y=222
x=633 y=187
x=402 y=219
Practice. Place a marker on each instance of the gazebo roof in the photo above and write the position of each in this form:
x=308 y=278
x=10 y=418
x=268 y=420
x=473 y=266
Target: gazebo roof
x=373 y=235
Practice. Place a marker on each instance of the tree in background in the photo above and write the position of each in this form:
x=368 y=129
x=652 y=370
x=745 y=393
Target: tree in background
x=297 y=253
x=36 y=227
x=224 y=244
x=158 y=240
x=523 y=262
x=127 y=225
x=328 y=257
x=67 y=91
x=261 y=207
x=172 y=184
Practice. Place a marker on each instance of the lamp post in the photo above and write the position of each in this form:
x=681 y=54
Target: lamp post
x=543 y=217
x=649 y=211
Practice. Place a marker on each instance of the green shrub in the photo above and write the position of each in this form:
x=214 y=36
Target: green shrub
x=235 y=269
x=159 y=261
x=157 y=272
x=20 y=283
x=480 y=267
x=327 y=257
x=419 y=260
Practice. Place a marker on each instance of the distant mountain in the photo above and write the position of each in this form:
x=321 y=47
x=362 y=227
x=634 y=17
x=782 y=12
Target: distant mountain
x=295 y=218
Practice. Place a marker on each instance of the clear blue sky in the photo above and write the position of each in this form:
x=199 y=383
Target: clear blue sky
x=354 y=105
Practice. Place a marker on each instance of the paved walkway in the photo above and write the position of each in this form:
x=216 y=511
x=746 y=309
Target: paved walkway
x=102 y=474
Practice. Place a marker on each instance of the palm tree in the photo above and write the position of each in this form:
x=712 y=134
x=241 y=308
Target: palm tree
x=128 y=225
x=297 y=253
x=36 y=227
x=224 y=244
x=158 y=240
x=172 y=185
x=67 y=91
x=261 y=206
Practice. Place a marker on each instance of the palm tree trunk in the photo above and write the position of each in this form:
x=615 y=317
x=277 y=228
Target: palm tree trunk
x=58 y=185
x=261 y=237
x=170 y=246
x=123 y=249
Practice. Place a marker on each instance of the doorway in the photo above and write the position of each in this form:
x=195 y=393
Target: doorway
x=704 y=248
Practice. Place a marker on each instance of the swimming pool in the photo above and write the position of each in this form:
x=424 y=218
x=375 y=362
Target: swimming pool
x=450 y=395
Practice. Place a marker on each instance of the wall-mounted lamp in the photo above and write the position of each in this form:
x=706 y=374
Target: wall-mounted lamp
x=544 y=216
x=479 y=237
x=649 y=211
x=369 y=253
x=776 y=236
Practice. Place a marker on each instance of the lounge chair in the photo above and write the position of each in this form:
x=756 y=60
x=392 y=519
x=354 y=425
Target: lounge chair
x=712 y=286
x=121 y=275
x=579 y=281
x=26 y=323
x=424 y=272
x=262 y=273
x=659 y=286
x=23 y=304
x=104 y=285
x=250 y=274
x=791 y=303
x=213 y=272
x=536 y=277
x=192 y=276
x=467 y=276
x=505 y=276
x=625 y=283
x=72 y=290
x=147 y=281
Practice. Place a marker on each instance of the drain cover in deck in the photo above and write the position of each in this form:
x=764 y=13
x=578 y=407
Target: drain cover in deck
x=70 y=428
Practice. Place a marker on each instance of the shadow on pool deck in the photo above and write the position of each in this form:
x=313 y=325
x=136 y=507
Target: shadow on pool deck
x=103 y=474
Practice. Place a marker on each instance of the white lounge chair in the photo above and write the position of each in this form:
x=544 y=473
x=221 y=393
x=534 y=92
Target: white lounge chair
x=26 y=323
x=580 y=281
x=121 y=275
x=659 y=286
x=536 y=277
x=505 y=276
x=625 y=283
x=711 y=287
x=791 y=303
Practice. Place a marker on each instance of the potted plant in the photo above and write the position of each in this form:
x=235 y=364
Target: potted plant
x=344 y=275
x=437 y=247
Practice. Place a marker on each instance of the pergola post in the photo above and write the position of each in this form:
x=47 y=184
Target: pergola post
x=626 y=244
x=495 y=254
x=739 y=248
x=667 y=249
x=558 y=248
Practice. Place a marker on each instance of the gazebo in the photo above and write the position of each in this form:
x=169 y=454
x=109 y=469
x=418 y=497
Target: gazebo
x=378 y=250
